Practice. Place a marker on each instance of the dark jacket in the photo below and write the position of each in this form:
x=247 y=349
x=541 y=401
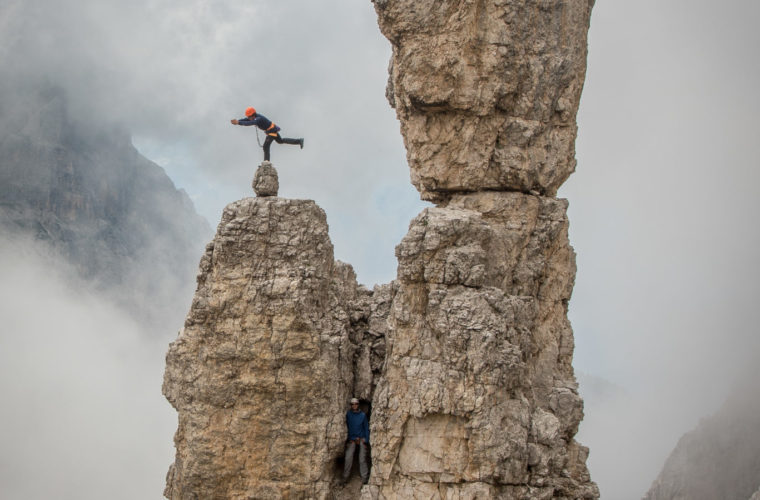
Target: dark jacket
x=358 y=426
x=260 y=121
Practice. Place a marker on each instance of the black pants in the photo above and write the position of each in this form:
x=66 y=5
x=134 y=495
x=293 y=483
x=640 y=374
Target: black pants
x=280 y=140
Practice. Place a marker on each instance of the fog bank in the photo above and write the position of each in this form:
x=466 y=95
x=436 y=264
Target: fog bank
x=82 y=416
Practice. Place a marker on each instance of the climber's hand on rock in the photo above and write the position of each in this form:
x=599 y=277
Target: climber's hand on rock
x=234 y=121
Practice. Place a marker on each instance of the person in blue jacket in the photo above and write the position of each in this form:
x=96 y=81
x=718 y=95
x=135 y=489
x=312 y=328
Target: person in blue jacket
x=265 y=124
x=358 y=436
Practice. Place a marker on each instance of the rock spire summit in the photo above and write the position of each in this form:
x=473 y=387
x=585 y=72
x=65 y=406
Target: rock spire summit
x=464 y=362
x=266 y=182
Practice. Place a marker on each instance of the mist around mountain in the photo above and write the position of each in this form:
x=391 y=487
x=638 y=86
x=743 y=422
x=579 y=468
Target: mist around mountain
x=77 y=186
x=98 y=253
x=720 y=458
x=82 y=414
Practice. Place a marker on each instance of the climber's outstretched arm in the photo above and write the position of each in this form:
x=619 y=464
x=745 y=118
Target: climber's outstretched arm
x=243 y=121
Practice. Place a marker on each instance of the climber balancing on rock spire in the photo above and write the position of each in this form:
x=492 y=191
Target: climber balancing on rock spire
x=272 y=130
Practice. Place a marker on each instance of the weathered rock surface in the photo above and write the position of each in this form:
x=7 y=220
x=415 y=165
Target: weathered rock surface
x=466 y=359
x=261 y=373
x=487 y=91
x=266 y=181
x=478 y=396
x=369 y=331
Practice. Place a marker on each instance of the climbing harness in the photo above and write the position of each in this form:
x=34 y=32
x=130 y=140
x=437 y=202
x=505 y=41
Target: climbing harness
x=267 y=132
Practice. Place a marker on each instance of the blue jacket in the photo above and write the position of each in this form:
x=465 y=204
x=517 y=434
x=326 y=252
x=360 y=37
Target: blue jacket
x=357 y=424
x=260 y=121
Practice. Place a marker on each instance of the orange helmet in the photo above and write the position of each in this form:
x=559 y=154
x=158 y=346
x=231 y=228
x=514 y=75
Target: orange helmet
x=250 y=111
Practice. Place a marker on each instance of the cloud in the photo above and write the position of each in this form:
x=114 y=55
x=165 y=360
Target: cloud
x=662 y=214
x=174 y=73
x=662 y=206
x=82 y=413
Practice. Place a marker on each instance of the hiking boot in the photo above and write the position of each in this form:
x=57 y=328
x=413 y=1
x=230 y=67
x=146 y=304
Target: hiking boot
x=300 y=143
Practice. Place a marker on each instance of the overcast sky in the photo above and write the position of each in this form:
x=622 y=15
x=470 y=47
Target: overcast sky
x=662 y=206
x=663 y=214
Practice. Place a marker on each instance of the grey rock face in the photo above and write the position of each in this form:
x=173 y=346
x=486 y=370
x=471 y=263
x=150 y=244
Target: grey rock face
x=370 y=329
x=487 y=91
x=85 y=191
x=265 y=182
x=720 y=458
x=466 y=357
x=263 y=369
x=478 y=395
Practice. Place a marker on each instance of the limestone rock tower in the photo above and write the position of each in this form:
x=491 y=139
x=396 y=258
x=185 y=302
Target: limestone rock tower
x=464 y=362
x=477 y=398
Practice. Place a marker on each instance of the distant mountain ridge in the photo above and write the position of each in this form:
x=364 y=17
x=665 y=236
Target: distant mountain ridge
x=720 y=458
x=82 y=188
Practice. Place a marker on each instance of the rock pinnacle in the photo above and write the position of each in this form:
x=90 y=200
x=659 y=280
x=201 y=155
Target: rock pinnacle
x=265 y=182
